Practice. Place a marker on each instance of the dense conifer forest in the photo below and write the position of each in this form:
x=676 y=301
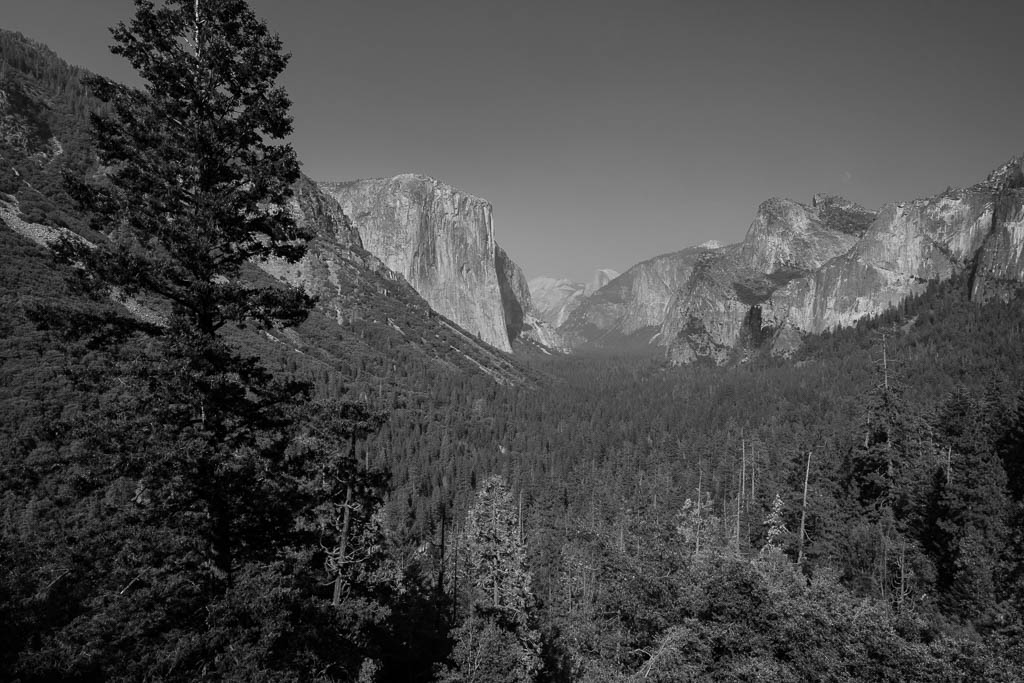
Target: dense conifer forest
x=201 y=502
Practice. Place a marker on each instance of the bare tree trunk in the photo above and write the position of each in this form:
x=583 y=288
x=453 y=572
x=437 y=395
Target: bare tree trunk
x=949 y=465
x=753 y=473
x=743 y=485
x=700 y=481
x=343 y=545
x=884 y=583
x=494 y=526
x=455 y=576
x=803 y=512
x=903 y=592
x=440 y=566
x=520 y=518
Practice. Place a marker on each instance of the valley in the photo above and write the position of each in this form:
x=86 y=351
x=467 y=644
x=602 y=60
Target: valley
x=381 y=452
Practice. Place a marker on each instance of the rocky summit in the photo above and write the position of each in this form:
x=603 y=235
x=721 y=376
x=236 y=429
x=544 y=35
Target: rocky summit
x=441 y=240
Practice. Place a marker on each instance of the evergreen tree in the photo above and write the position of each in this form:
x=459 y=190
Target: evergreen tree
x=501 y=598
x=879 y=459
x=198 y=567
x=968 y=508
x=346 y=492
x=775 y=524
x=887 y=480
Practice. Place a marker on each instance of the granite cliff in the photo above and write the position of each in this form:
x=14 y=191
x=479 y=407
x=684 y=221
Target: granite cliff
x=807 y=268
x=554 y=299
x=441 y=240
x=722 y=304
x=360 y=295
x=629 y=311
x=521 y=319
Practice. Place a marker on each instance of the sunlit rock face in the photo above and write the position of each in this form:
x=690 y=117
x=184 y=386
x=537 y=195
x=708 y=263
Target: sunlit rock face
x=554 y=299
x=1000 y=267
x=786 y=235
x=441 y=240
x=813 y=268
x=727 y=300
x=335 y=258
x=601 y=277
x=630 y=309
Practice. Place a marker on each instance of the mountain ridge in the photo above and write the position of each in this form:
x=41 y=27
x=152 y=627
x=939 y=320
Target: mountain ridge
x=809 y=268
x=44 y=133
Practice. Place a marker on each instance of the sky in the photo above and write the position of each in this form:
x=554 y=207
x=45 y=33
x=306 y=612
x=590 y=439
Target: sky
x=607 y=132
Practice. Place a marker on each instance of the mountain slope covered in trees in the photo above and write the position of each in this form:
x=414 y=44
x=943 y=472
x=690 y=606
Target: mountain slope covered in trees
x=852 y=513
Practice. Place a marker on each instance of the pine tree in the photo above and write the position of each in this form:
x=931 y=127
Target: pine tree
x=195 y=192
x=495 y=553
x=776 y=528
x=347 y=493
x=966 y=522
x=886 y=480
x=884 y=451
x=501 y=599
x=207 y=573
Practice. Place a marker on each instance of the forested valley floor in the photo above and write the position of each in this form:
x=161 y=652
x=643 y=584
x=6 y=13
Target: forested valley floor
x=645 y=520
x=348 y=500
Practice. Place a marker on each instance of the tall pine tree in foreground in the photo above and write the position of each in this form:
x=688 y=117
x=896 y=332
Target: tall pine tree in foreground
x=188 y=553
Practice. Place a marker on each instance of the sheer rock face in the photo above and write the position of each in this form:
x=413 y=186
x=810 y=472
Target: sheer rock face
x=554 y=299
x=442 y=241
x=786 y=235
x=515 y=292
x=335 y=257
x=521 y=319
x=322 y=215
x=1000 y=269
x=630 y=309
x=810 y=269
x=729 y=300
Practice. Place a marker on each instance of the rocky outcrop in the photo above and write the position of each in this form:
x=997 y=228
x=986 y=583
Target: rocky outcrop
x=336 y=264
x=554 y=299
x=629 y=310
x=515 y=292
x=442 y=241
x=807 y=269
x=521 y=319
x=362 y=296
x=727 y=302
x=321 y=215
x=1000 y=266
x=1000 y=269
x=789 y=236
x=602 y=277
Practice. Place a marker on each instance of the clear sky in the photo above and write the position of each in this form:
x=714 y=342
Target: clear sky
x=606 y=132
